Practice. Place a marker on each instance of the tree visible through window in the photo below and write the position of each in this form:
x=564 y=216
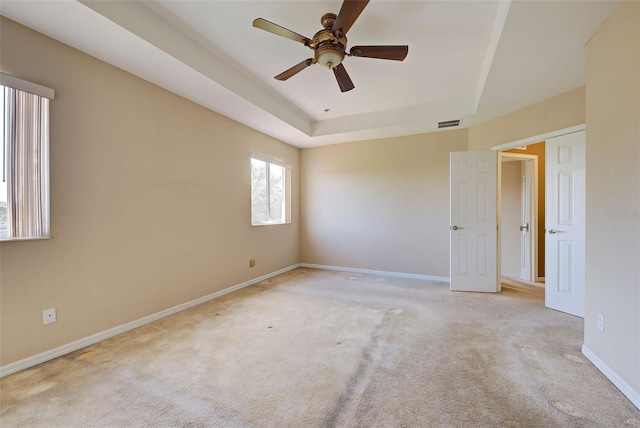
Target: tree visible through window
x=269 y=192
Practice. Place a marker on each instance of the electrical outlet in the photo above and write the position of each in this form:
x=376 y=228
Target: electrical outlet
x=601 y=322
x=49 y=316
x=252 y=263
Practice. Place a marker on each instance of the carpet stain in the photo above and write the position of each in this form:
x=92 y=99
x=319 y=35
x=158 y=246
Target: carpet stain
x=565 y=408
x=353 y=384
x=360 y=377
x=86 y=355
x=529 y=350
x=40 y=388
x=575 y=358
x=633 y=422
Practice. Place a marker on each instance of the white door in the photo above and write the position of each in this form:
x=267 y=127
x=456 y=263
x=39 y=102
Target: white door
x=525 y=226
x=473 y=221
x=565 y=223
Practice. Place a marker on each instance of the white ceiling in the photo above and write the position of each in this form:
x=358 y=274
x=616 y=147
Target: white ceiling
x=469 y=60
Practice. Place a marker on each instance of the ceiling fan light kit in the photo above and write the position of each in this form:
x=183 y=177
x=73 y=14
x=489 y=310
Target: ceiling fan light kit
x=330 y=44
x=329 y=57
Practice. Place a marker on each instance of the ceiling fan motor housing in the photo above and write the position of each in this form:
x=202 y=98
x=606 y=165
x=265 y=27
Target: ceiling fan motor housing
x=329 y=49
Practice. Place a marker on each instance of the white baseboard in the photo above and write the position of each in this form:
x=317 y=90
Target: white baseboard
x=633 y=396
x=377 y=272
x=95 y=338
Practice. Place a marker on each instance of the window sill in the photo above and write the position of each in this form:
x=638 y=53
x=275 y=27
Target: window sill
x=270 y=224
x=39 y=238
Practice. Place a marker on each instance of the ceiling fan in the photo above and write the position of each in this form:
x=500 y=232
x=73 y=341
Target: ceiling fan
x=330 y=45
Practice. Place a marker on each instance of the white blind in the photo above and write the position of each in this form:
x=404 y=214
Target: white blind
x=26 y=164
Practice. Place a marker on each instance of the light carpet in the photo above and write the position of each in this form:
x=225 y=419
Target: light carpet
x=314 y=348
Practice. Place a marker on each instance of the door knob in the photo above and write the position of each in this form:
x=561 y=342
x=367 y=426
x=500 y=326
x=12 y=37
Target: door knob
x=456 y=227
x=525 y=227
x=554 y=231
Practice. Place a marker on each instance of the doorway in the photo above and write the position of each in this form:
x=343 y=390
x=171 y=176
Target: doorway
x=522 y=212
x=475 y=250
x=563 y=228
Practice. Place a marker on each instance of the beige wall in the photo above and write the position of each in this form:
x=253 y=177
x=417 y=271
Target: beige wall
x=511 y=216
x=381 y=204
x=559 y=112
x=538 y=149
x=613 y=193
x=150 y=202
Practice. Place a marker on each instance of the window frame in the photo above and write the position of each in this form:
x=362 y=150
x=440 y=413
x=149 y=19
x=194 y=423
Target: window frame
x=18 y=84
x=287 y=190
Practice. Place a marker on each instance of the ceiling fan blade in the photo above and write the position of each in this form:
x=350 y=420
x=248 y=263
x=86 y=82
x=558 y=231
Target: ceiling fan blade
x=396 y=53
x=344 y=81
x=265 y=25
x=295 y=69
x=349 y=12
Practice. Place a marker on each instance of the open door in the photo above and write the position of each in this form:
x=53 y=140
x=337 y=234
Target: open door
x=565 y=223
x=473 y=221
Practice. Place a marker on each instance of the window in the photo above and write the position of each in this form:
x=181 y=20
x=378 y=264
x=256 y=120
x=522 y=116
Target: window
x=270 y=192
x=24 y=159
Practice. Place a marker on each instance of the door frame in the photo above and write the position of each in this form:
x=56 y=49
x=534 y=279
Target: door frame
x=538 y=138
x=531 y=162
x=519 y=143
x=526 y=141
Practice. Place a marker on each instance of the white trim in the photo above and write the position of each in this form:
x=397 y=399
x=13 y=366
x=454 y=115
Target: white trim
x=270 y=223
x=25 y=86
x=625 y=388
x=95 y=338
x=520 y=156
x=377 y=272
x=5 y=238
x=541 y=137
x=271 y=160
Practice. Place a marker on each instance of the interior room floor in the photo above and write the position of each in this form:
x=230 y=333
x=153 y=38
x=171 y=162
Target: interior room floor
x=313 y=348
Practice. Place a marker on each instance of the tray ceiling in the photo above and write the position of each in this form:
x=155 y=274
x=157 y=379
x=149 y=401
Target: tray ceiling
x=469 y=60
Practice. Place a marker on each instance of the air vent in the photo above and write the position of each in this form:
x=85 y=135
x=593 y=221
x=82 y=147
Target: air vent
x=449 y=123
